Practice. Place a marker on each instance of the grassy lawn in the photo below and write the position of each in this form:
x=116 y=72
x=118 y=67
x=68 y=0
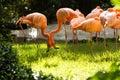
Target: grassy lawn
x=72 y=61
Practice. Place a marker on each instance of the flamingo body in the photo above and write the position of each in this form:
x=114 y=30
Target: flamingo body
x=90 y=25
x=36 y=20
x=66 y=14
x=108 y=17
x=117 y=24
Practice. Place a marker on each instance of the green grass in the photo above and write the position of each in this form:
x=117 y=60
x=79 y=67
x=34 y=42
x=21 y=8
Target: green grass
x=72 y=61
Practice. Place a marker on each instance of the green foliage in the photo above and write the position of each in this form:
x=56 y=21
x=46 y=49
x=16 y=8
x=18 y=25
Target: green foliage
x=116 y=3
x=6 y=37
x=105 y=4
x=10 y=69
x=1 y=37
x=113 y=74
x=7 y=17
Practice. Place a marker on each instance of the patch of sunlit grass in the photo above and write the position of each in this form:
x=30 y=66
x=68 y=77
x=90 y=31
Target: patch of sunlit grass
x=72 y=61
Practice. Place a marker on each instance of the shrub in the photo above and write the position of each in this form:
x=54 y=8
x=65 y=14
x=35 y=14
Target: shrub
x=10 y=69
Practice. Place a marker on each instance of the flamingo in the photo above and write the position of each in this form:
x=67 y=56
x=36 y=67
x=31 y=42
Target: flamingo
x=64 y=15
x=95 y=13
x=90 y=25
x=108 y=19
x=75 y=22
x=116 y=25
x=37 y=20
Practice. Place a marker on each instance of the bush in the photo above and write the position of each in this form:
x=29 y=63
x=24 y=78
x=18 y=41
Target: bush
x=10 y=69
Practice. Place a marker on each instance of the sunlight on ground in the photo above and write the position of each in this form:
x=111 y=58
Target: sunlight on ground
x=68 y=62
x=71 y=70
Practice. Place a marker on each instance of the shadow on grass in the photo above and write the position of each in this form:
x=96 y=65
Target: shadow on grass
x=68 y=52
x=83 y=46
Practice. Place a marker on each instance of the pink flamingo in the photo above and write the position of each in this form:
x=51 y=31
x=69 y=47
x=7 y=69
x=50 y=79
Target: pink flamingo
x=75 y=22
x=63 y=15
x=108 y=19
x=90 y=25
x=95 y=13
x=37 y=20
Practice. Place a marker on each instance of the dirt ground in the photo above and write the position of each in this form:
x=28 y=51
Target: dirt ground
x=31 y=33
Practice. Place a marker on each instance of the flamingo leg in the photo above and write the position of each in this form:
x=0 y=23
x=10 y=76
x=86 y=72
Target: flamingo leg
x=96 y=38
x=105 y=39
x=37 y=39
x=114 y=33
x=116 y=36
x=91 y=43
x=76 y=37
x=65 y=33
x=22 y=31
x=73 y=32
x=73 y=36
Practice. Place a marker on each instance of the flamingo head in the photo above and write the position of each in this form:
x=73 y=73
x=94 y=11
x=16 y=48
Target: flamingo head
x=77 y=11
x=98 y=7
x=111 y=10
x=20 y=20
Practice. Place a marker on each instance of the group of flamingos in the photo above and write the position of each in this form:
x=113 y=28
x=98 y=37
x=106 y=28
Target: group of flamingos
x=96 y=20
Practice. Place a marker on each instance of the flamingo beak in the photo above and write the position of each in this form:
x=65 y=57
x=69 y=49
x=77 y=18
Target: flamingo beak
x=105 y=25
x=17 y=22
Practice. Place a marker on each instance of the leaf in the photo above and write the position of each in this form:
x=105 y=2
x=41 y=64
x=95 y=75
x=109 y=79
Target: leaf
x=116 y=3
